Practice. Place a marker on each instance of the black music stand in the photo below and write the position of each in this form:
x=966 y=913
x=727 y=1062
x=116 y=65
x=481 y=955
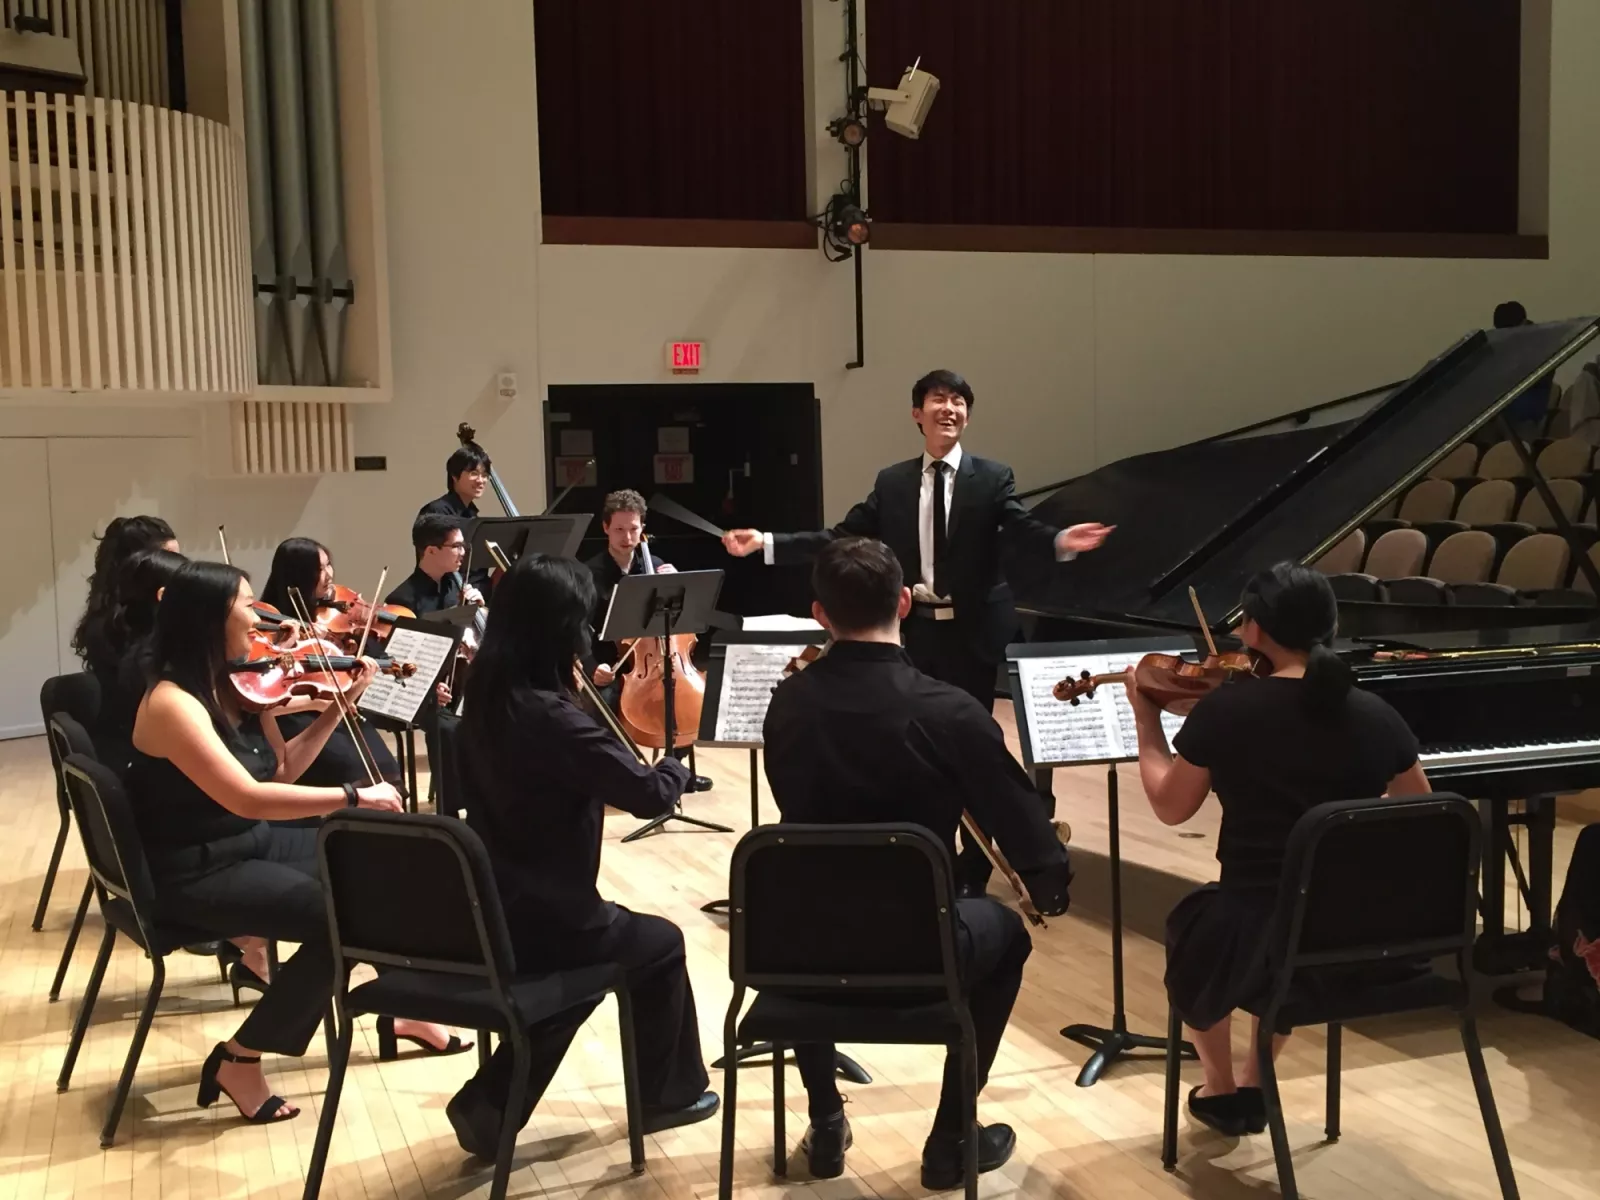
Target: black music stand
x=559 y=535
x=404 y=719
x=660 y=606
x=1108 y=1043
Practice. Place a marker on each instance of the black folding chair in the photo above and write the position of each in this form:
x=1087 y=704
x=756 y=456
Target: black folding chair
x=445 y=955
x=77 y=695
x=1367 y=883
x=823 y=973
x=121 y=880
x=67 y=737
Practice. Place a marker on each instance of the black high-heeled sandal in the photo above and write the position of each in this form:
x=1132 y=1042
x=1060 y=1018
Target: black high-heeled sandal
x=274 y=1108
x=389 y=1042
x=242 y=979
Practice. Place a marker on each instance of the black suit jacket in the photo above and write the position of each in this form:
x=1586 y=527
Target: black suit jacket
x=861 y=735
x=984 y=514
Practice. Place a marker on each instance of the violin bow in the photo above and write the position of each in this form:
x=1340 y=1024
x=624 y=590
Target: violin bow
x=1205 y=629
x=992 y=853
x=222 y=536
x=372 y=611
x=346 y=713
x=593 y=696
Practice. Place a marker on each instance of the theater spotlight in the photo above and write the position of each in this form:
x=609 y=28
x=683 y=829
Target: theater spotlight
x=848 y=131
x=846 y=225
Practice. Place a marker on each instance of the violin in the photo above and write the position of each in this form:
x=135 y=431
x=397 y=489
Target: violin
x=344 y=614
x=1174 y=684
x=643 y=707
x=1025 y=905
x=271 y=675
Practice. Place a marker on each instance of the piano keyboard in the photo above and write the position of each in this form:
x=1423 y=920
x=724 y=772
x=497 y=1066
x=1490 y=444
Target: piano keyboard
x=1462 y=756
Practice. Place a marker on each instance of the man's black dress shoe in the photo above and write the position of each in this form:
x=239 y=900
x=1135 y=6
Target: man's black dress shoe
x=824 y=1146
x=658 y=1119
x=942 y=1167
x=476 y=1122
x=702 y=783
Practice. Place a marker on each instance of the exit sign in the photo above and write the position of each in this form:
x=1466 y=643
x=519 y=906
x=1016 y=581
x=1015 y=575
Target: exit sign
x=685 y=358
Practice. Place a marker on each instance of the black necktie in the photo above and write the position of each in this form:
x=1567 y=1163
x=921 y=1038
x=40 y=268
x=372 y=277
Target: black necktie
x=939 y=469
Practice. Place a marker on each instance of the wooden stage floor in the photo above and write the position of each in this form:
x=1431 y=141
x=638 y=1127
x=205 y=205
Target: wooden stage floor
x=1411 y=1127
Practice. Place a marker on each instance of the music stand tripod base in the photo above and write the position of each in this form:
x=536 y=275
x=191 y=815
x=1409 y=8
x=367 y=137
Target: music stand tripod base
x=1111 y=1044
x=844 y=1066
x=677 y=814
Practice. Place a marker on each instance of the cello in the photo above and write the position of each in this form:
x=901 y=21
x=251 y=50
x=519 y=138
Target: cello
x=643 y=707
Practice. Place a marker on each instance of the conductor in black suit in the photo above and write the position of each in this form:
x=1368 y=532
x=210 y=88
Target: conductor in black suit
x=948 y=539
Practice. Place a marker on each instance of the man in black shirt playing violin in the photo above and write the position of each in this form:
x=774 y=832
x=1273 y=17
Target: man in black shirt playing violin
x=863 y=736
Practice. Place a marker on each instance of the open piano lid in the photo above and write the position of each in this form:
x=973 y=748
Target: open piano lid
x=1211 y=514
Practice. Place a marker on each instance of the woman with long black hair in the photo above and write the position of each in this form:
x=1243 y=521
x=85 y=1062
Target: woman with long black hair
x=123 y=537
x=304 y=567
x=537 y=773
x=208 y=780
x=1271 y=749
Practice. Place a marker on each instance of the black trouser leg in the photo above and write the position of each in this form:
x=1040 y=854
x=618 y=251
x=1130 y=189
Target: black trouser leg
x=672 y=1071
x=938 y=649
x=993 y=944
x=274 y=894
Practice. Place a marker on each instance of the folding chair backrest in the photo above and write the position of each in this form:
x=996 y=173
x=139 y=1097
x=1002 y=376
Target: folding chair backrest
x=68 y=736
x=412 y=890
x=1536 y=563
x=110 y=836
x=1367 y=880
x=1487 y=502
x=831 y=906
x=78 y=696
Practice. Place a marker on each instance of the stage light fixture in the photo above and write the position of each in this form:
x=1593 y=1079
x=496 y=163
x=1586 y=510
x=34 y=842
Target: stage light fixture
x=846 y=224
x=848 y=131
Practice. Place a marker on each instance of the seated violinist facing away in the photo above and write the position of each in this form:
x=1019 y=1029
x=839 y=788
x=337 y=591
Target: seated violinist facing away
x=1271 y=748
x=862 y=736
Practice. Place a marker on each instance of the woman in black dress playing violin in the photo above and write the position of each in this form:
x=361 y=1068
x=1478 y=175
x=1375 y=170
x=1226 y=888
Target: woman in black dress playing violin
x=1270 y=748
x=207 y=783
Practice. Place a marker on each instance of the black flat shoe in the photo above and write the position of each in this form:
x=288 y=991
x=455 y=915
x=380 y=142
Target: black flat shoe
x=274 y=1108
x=824 y=1146
x=476 y=1123
x=242 y=979
x=658 y=1119
x=389 y=1042
x=1253 y=1107
x=942 y=1166
x=1225 y=1114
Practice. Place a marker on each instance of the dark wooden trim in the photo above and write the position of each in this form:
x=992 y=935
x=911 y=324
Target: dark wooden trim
x=1048 y=239
x=657 y=231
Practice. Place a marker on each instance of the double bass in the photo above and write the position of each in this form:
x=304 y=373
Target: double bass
x=643 y=707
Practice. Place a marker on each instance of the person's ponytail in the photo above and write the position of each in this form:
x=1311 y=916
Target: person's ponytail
x=1328 y=680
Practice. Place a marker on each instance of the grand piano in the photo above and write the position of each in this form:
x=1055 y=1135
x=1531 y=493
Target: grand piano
x=1505 y=700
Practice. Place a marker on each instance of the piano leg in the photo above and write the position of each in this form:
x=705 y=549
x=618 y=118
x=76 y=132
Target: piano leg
x=1501 y=951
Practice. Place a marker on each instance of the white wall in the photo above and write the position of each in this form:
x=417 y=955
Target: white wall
x=1076 y=359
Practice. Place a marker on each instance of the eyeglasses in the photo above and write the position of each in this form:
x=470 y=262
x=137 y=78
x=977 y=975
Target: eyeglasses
x=480 y=476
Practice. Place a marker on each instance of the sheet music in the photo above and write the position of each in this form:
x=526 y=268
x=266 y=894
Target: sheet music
x=401 y=699
x=749 y=673
x=1098 y=728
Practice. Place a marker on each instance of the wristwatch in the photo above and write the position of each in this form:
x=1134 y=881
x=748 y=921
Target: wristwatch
x=350 y=795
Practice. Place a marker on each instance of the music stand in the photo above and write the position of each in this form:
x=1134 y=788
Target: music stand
x=559 y=535
x=660 y=606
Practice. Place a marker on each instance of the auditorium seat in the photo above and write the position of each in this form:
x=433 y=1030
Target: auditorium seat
x=1489 y=501
x=1459 y=463
x=1535 y=564
x=1396 y=554
x=1567 y=458
x=1501 y=461
x=1465 y=557
x=1429 y=500
x=1344 y=557
x=1533 y=510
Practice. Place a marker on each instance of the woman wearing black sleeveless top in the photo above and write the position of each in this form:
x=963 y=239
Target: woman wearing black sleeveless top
x=206 y=781
x=1271 y=749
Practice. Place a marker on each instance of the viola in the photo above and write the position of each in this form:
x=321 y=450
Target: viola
x=643 y=707
x=1174 y=684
